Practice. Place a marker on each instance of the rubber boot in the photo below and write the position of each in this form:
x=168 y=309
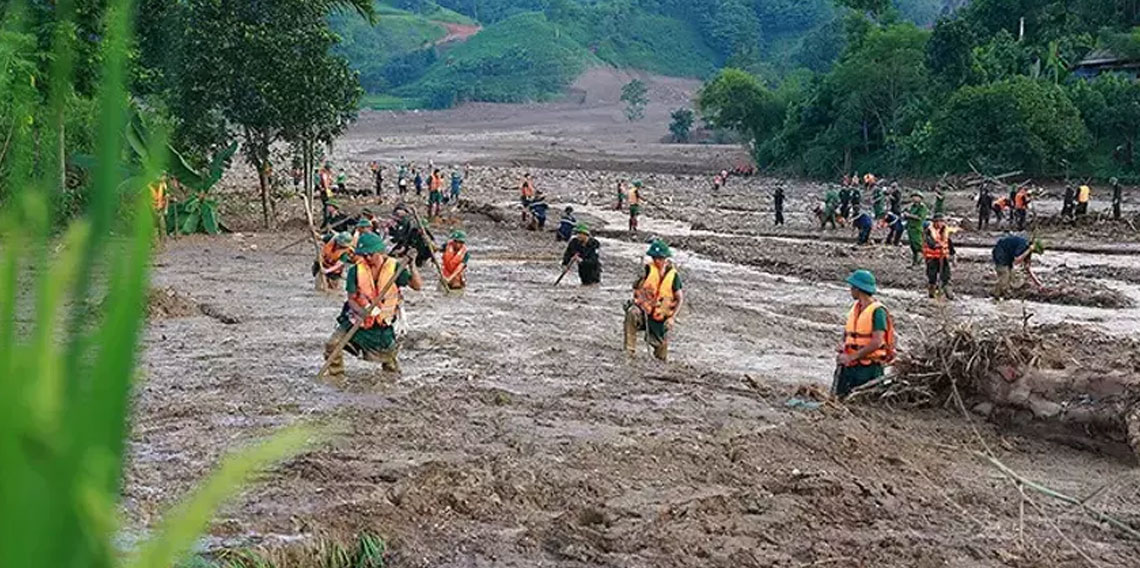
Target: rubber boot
x=336 y=365
x=661 y=352
x=931 y=291
x=946 y=292
x=632 y=326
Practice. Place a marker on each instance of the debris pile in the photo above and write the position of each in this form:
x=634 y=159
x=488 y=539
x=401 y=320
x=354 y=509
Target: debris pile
x=164 y=303
x=1073 y=381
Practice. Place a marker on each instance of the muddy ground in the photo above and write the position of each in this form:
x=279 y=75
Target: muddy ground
x=519 y=434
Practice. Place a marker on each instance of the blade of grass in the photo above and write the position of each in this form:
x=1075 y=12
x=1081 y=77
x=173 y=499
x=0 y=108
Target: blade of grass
x=180 y=528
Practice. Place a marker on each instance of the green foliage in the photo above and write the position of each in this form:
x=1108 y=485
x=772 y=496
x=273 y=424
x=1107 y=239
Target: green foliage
x=383 y=53
x=67 y=372
x=735 y=100
x=503 y=64
x=682 y=124
x=1013 y=124
x=635 y=96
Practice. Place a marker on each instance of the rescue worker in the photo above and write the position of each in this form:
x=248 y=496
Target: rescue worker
x=845 y=202
x=778 y=203
x=566 y=225
x=895 y=227
x=1117 y=197
x=377 y=176
x=939 y=202
x=1021 y=206
x=896 y=199
x=856 y=201
x=657 y=297
x=333 y=219
x=406 y=235
x=869 y=181
x=454 y=261
x=336 y=257
x=160 y=204
x=1068 y=202
x=830 y=202
x=526 y=190
x=584 y=249
x=402 y=180
x=325 y=182
x=418 y=181
x=938 y=250
x=1084 y=193
x=915 y=216
x=634 y=204
x=1009 y=251
x=868 y=337
x=864 y=223
x=456 y=186
x=537 y=212
x=365 y=281
x=999 y=207
x=435 y=195
x=985 y=206
x=368 y=215
x=342 y=182
x=621 y=193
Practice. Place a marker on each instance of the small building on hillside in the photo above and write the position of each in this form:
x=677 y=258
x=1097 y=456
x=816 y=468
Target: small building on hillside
x=1101 y=61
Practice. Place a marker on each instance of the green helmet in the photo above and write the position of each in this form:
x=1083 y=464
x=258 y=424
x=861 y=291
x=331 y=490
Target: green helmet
x=863 y=280
x=582 y=228
x=343 y=239
x=459 y=236
x=364 y=224
x=370 y=244
x=637 y=183
x=659 y=249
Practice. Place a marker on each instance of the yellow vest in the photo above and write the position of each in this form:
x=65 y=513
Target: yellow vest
x=158 y=195
x=368 y=287
x=1085 y=192
x=655 y=296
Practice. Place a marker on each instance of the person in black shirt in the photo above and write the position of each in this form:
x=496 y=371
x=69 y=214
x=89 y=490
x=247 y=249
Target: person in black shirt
x=584 y=248
x=985 y=207
x=1068 y=201
x=778 y=199
x=1117 y=197
x=896 y=199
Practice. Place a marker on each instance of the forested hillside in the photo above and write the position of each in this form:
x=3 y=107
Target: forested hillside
x=549 y=41
x=992 y=87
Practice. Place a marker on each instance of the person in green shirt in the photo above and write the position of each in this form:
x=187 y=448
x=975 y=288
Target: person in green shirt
x=915 y=216
x=657 y=297
x=830 y=203
x=375 y=340
x=939 y=201
x=868 y=338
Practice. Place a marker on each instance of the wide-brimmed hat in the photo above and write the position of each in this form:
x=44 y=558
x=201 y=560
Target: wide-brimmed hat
x=459 y=236
x=659 y=249
x=582 y=229
x=863 y=280
x=370 y=244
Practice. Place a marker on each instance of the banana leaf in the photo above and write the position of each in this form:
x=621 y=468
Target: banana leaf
x=209 y=215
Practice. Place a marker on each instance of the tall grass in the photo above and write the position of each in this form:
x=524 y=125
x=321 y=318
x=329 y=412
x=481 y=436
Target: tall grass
x=66 y=369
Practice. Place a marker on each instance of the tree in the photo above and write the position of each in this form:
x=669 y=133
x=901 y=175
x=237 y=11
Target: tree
x=682 y=124
x=263 y=73
x=949 y=51
x=635 y=96
x=1018 y=123
x=736 y=100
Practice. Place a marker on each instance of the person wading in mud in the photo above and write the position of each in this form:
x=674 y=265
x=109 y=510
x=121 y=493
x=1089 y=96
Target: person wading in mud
x=845 y=202
x=435 y=195
x=868 y=337
x=896 y=199
x=830 y=202
x=985 y=207
x=1021 y=206
x=938 y=250
x=375 y=341
x=336 y=256
x=526 y=190
x=566 y=225
x=1084 y=193
x=778 y=202
x=455 y=259
x=584 y=249
x=657 y=297
x=1068 y=202
x=456 y=187
x=634 y=204
x=1010 y=251
x=915 y=217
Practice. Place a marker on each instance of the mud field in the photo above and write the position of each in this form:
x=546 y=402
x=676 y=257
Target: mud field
x=519 y=434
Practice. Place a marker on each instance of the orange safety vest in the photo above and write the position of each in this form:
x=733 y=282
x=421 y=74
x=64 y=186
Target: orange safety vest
x=869 y=179
x=655 y=296
x=453 y=259
x=1085 y=193
x=368 y=287
x=331 y=253
x=1021 y=199
x=158 y=195
x=941 y=244
x=1001 y=203
x=527 y=189
x=859 y=331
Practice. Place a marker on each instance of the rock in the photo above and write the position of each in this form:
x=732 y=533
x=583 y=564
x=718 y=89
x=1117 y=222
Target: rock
x=983 y=408
x=1044 y=408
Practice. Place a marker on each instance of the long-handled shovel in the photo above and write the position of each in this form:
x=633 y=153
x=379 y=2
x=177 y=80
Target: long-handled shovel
x=565 y=270
x=431 y=248
x=356 y=326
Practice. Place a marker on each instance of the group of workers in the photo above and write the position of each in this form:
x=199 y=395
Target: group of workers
x=326 y=185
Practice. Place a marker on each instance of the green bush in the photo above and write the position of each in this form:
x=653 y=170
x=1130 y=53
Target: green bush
x=1016 y=124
